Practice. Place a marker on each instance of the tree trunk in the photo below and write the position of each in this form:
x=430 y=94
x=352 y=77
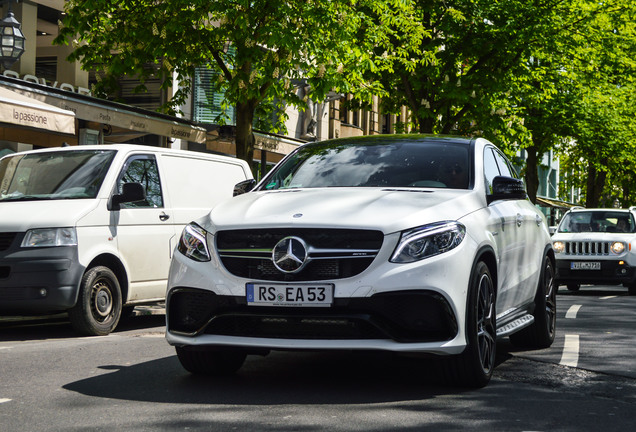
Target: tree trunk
x=595 y=185
x=532 y=175
x=244 y=133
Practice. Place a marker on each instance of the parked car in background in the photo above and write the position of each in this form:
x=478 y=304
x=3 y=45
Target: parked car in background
x=411 y=244
x=91 y=229
x=594 y=246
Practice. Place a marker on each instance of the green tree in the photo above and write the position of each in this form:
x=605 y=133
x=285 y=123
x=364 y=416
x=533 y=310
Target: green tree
x=502 y=70
x=259 y=48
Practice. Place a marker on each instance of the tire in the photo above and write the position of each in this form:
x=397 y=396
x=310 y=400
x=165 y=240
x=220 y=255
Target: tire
x=99 y=304
x=213 y=363
x=541 y=333
x=573 y=287
x=473 y=368
x=631 y=289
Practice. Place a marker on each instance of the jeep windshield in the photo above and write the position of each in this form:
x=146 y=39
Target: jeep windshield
x=374 y=163
x=53 y=175
x=597 y=221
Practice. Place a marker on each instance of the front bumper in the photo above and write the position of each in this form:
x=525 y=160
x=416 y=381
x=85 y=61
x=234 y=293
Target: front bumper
x=37 y=280
x=611 y=272
x=395 y=307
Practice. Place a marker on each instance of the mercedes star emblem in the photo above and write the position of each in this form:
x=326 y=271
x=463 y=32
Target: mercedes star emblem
x=290 y=255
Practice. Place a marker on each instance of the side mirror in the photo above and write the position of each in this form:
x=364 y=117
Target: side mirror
x=507 y=188
x=131 y=192
x=244 y=186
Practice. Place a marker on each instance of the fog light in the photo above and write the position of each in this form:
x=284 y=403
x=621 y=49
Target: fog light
x=42 y=292
x=621 y=262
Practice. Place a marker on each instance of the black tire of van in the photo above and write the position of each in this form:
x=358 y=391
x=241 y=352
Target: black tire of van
x=99 y=305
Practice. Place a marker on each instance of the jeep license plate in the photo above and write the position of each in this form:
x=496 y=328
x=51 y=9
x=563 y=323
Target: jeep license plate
x=294 y=295
x=585 y=265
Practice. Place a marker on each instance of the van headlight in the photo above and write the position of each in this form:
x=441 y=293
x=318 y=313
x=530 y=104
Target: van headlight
x=47 y=237
x=193 y=243
x=427 y=241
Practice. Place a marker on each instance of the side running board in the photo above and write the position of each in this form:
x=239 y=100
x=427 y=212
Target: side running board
x=515 y=325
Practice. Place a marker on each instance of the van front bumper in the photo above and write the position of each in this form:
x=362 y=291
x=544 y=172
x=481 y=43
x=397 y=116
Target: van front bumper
x=38 y=280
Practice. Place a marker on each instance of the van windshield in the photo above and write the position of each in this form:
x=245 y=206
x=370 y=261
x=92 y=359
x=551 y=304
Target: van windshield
x=53 y=175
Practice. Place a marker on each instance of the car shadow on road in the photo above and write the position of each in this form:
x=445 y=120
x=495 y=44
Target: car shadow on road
x=279 y=378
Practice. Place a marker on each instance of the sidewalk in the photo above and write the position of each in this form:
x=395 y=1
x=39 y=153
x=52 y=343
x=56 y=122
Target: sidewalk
x=143 y=310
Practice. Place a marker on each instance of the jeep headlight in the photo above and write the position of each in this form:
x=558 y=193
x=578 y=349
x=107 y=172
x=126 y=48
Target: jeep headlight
x=47 y=237
x=558 y=246
x=193 y=243
x=618 y=247
x=427 y=241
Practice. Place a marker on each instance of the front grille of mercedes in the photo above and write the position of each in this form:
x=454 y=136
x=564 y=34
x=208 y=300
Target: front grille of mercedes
x=335 y=253
x=587 y=248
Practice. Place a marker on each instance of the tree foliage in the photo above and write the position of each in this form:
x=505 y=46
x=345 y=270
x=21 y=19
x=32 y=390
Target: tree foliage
x=259 y=48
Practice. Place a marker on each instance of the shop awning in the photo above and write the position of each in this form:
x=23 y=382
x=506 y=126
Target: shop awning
x=23 y=111
x=135 y=121
x=552 y=202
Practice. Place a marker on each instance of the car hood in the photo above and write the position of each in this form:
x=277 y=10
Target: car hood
x=19 y=216
x=387 y=210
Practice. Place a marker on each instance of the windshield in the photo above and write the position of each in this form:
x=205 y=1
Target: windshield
x=597 y=221
x=53 y=175
x=373 y=163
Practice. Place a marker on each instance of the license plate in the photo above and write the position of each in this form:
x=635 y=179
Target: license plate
x=294 y=295
x=585 y=265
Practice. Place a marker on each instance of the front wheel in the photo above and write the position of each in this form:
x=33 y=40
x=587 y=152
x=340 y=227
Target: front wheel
x=473 y=367
x=541 y=333
x=99 y=303
x=216 y=363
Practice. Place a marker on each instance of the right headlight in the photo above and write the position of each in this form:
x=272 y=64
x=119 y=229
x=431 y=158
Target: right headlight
x=427 y=241
x=558 y=246
x=193 y=243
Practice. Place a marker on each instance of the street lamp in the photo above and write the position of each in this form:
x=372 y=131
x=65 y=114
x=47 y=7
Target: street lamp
x=12 y=43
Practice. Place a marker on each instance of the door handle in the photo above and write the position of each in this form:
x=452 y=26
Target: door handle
x=164 y=217
x=519 y=219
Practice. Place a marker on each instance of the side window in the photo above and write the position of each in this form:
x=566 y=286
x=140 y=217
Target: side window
x=142 y=169
x=504 y=166
x=491 y=170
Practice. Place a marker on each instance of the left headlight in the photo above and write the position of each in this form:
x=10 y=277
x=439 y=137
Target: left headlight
x=618 y=247
x=428 y=241
x=47 y=237
x=193 y=243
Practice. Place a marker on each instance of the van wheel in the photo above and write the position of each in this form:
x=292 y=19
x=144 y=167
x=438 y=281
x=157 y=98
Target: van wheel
x=216 y=363
x=541 y=333
x=631 y=289
x=473 y=367
x=99 y=303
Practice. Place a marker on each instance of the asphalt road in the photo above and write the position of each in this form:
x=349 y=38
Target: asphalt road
x=51 y=380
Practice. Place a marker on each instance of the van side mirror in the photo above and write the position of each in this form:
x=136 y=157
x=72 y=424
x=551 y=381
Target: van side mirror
x=244 y=186
x=131 y=192
x=507 y=188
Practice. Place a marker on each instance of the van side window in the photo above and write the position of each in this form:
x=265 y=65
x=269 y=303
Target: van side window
x=142 y=169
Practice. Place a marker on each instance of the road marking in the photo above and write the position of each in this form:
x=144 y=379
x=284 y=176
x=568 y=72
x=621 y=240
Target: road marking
x=570 y=355
x=571 y=313
x=607 y=297
x=4 y=400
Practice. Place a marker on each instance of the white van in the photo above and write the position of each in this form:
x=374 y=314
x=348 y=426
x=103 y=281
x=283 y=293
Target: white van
x=91 y=229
